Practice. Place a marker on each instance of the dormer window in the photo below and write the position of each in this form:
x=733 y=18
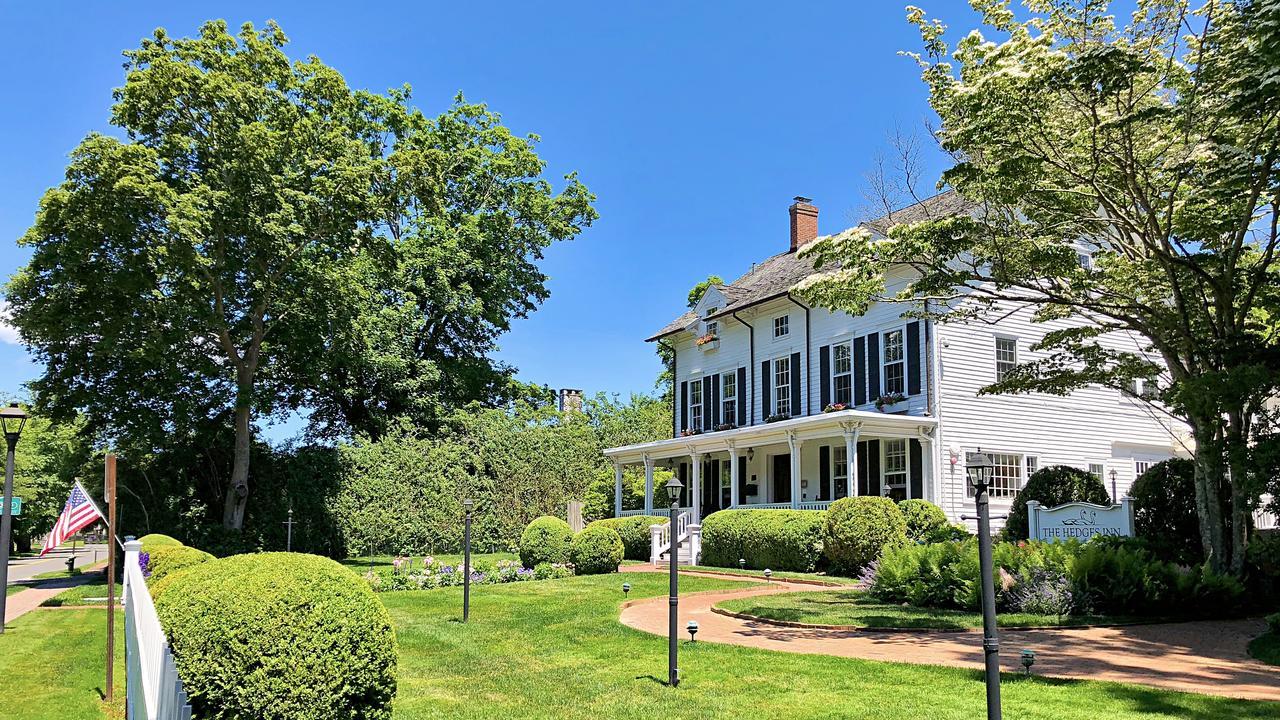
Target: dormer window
x=1085 y=261
x=781 y=326
x=713 y=328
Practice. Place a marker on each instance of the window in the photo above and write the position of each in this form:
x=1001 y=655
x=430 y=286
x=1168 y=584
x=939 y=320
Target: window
x=1084 y=261
x=1141 y=466
x=713 y=328
x=895 y=375
x=781 y=326
x=1006 y=356
x=839 y=463
x=1033 y=463
x=782 y=386
x=895 y=464
x=1006 y=476
x=842 y=374
x=729 y=397
x=1097 y=469
x=695 y=404
x=1147 y=389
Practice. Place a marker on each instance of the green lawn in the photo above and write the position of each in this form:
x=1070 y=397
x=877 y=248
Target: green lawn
x=856 y=608
x=14 y=589
x=52 y=665
x=555 y=649
x=1266 y=647
x=778 y=574
x=81 y=594
x=382 y=563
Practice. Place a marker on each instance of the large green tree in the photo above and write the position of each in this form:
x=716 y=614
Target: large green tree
x=1150 y=147
x=264 y=238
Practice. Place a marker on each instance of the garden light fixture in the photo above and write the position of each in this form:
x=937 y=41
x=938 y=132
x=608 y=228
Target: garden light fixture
x=692 y=627
x=742 y=563
x=1028 y=659
x=626 y=589
x=1114 y=498
x=768 y=575
x=979 y=469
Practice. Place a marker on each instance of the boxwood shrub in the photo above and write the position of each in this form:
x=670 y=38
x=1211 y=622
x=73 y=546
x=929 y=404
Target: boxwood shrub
x=596 y=550
x=279 y=635
x=775 y=539
x=1052 y=486
x=153 y=541
x=1164 y=511
x=546 y=539
x=635 y=533
x=858 y=529
x=168 y=559
x=925 y=521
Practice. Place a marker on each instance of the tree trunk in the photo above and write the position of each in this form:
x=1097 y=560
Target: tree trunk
x=1238 y=459
x=238 y=490
x=1208 y=472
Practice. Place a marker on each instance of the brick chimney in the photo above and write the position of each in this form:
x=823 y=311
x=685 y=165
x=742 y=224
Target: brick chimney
x=804 y=223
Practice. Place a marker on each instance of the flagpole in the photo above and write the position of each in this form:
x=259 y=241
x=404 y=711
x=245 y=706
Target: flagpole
x=109 y=489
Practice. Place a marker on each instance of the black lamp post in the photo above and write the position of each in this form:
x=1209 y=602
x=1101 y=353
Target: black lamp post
x=674 y=486
x=11 y=421
x=979 y=468
x=1114 y=498
x=466 y=561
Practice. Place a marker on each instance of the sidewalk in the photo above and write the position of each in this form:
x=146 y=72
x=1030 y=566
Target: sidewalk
x=1207 y=657
x=24 y=602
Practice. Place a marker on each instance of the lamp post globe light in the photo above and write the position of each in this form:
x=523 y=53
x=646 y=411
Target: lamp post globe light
x=979 y=468
x=692 y=627
x=12 y=419
x=674 y=486
x=466 y=560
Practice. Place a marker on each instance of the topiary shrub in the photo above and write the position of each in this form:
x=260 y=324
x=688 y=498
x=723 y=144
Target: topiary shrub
x=858 y=529
x=635 y=533
x=1052 y=486
x=546 y=539
x=596 y=550
x=279 y=635
x=168 y=559
x=154 y=541
x=1164 y=511
x=925 y=521
x=775 y=539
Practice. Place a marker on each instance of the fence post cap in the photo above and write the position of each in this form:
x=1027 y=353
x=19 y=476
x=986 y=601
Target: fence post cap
x=132 y=545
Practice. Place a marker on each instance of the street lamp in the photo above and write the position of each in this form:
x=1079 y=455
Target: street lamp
x=674 y=486
x=979 y=469
x=1114 y=497
x=11 y=421
x=466 y=561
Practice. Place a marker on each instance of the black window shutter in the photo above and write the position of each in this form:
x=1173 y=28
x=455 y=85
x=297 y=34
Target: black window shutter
x=913 y=359
x=741 y=400
x=684 y=405
x=917 y=469
x=873 y=467
x=873 y=365
x=824 y=471
x=864 y=485
x=824 y=370
x=706 y=403
x=742 y=479
x=684 y=480
x=715 y=402
x=795 y=384
x=859 y=371
x=766 y=381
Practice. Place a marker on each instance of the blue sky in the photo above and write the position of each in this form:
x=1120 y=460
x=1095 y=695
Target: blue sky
x=694 y=124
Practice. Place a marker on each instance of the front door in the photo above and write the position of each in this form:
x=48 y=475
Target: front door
x=710 y=487
x=781 y=478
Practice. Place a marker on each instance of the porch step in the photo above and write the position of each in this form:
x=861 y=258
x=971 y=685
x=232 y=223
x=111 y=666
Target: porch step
x=665 y=559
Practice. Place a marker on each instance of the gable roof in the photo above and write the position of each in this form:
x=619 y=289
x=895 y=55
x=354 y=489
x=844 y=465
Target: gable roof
x=775 y=277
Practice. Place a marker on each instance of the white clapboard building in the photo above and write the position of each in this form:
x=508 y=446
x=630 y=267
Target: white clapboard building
x=757 y=371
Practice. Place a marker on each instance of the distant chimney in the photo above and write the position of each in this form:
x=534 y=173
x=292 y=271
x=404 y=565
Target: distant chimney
x=804 y=223
x=570 y=400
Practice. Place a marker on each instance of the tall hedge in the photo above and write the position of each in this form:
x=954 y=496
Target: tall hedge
x=1053 y=485
x=545 y=540
x=634 y=531
x=858 y=529
x=1164 y=511
x=775 y=539
x=168 y=559
x=279 y=636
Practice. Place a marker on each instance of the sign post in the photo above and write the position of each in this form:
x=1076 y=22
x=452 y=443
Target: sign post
x=109 y=489
x=1079 y=521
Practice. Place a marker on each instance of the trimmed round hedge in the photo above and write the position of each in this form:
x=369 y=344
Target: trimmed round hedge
x=168 y=559
x=858 y=529
x=279 y=636
x=1051 y=486
x=596 y=550
x=1164 y=511
x=925 y=521
x=775 y=539
x=546 y=539
x=154 y=541
x=635 y=533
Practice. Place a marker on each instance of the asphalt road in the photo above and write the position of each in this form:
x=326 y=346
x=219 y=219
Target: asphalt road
x=21 y=569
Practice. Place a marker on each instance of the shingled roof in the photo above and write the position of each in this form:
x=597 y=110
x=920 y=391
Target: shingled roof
x=775 y=277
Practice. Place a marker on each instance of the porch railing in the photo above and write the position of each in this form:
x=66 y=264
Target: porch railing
x=808 y=505
x=153 y=689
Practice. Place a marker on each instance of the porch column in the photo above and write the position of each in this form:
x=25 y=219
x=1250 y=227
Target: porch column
x=733 y=475
x=617 y=489
x=648 y=485
x=851 y=457
x=794 y=445
x=927 y=459
x=695 y=486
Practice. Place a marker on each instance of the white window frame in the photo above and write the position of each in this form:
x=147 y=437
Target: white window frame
x=1084 y=260
x=836 y=374
x=905 y=472
x=885 y=362
x=1030 y=464
x=695 y=404
x=781 y=326
x=839 y=465
x=728 y=411
x=1000 y=459
x=1141 y=465
x=782 y=390
x=1099 y=469
x=1003 y=366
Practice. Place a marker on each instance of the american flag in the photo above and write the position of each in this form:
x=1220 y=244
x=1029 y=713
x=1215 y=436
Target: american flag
x=80 y=512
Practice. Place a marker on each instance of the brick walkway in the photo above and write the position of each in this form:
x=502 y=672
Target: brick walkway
x=1203 y=657
x=24 y=602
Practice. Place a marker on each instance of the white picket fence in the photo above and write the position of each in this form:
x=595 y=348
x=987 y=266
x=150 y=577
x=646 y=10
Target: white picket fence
x=153 y=689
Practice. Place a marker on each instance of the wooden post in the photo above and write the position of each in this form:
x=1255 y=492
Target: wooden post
x=109 y=488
